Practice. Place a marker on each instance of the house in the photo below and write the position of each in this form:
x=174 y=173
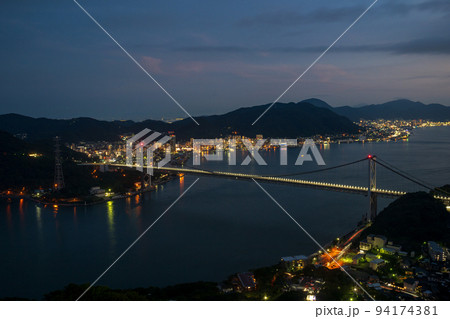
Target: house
x=436 y=252
x=377 y=263
x=295 y=287
x=370 y=256
x=373 y=278
x=377 y=241
x=376 y=285
x=247 y=280
x=294 y=262
x=392 y=247
x=97 y=191
x=410 y=284
x=365 y=246
x=225 y=288
x=357 y=258
x=388 y=251
x=420 y=272
x=405 y=263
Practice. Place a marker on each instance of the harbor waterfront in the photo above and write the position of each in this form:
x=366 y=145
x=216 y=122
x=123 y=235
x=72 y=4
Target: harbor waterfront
x=220 y=227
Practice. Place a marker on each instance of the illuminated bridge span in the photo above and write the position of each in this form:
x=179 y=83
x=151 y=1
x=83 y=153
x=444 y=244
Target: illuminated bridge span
x=371 y=190
x=328 y=186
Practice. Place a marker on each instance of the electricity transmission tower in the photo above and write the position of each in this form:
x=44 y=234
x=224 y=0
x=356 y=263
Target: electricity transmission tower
x=59 y=177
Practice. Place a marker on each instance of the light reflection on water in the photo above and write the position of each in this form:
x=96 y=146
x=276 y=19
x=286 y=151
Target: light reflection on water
x=111 y=226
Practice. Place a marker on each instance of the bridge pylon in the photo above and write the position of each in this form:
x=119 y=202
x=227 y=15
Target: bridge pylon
x=372 y=186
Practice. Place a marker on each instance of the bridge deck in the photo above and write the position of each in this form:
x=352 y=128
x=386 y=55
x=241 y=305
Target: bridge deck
x=321 y=185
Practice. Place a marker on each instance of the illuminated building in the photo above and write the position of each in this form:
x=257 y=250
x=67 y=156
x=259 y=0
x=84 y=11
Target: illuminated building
x=410 y=284
x=377 y=263
x=376 y=241
x=247 y=280
x=436 y=252
x=294 y=262
x=365 y=246
x=97 y=191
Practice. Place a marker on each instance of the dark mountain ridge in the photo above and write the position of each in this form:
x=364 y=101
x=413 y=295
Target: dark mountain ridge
x=284 y=120
x=396 y=110
x=402 y=109
x=288 y=120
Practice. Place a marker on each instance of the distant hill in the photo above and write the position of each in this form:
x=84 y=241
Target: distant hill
x=282 y=120
x=412 y=219
x=398 y=109
x=306 y=118
x=78 y=129
x=318 y=103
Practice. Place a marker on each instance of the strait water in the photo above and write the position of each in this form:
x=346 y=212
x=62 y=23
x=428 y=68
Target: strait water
x=221 y=226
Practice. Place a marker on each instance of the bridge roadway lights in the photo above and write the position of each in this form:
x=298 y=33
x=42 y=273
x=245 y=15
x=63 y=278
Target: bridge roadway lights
x=372 y=191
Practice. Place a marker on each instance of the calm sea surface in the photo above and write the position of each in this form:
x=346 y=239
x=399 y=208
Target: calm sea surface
x=221 y=226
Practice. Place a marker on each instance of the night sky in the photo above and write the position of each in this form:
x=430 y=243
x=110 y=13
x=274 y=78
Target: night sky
x=214 y=56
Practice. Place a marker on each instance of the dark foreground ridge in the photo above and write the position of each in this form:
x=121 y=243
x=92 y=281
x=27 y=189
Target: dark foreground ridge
x=413 y=219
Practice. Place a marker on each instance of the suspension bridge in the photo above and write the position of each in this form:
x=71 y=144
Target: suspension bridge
x=371 y=190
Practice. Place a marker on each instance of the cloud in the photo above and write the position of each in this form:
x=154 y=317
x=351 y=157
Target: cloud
x=261 y=73
x=214 y=49
x=154 y=65
x=291 y=18
x=327 y=73
x=416 y=46
x=331 y=15
x=406 y=7
x=434 y=5
x=422 y=46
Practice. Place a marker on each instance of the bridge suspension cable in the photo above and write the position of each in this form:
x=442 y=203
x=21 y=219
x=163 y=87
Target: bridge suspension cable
x=409 y=176
x=404 y=176
x=379 y=161
x=319 y=170
x=403 y=172
x=298 y=173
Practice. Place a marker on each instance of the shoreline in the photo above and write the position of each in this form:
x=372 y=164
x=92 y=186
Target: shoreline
x=85 y=204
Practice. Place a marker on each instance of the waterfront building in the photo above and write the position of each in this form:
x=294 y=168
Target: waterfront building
x=97 y=191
